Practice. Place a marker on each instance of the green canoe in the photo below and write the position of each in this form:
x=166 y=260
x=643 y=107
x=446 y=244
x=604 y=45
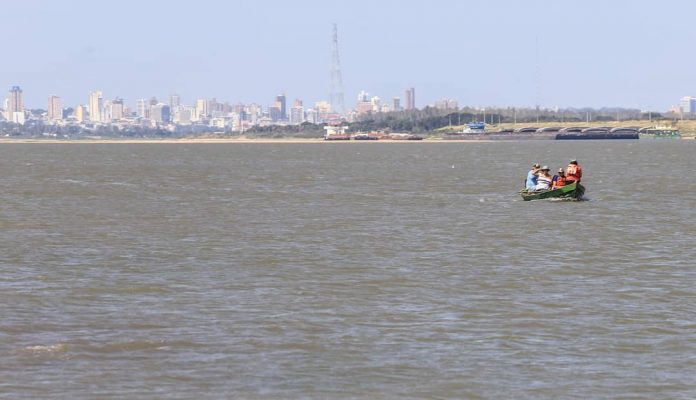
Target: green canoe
x=574 y=190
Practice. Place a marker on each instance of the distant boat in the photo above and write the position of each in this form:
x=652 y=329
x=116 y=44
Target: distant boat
x=477 y=126
x=660 y=132
x=572 y=191
x=336 y=132
x=598 y=133
x=365 y=136
x=404 y=136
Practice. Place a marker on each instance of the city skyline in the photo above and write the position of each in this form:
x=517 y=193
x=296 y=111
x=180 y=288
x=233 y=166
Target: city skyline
x=497 y=53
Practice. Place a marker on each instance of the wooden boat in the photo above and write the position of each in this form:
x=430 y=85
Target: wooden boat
x=574 y=191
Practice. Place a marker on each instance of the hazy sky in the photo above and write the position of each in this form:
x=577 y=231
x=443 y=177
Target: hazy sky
x=518 y=53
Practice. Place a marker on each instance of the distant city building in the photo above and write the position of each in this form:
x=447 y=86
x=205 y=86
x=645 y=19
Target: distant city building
x=55 y=109
x=364 y=107
x=282 y=105
x=410 y=99
x=183 y=115
x=447 y=104
x=396 y=104
x=160 y=113
x=142 y=109
x=363 y=96
x=364 y=104
x=201 y=109
x=311 y=116
x=15 y=106
x=174 y=101
x=322 y=107
x=376 y=104
x=215 y=109
x=687 y=105
x=95 y=106
x=297 y=113
x=275 y=112
x=117 y=109
x=106 y=112
x=16 y=100
x=81 y=113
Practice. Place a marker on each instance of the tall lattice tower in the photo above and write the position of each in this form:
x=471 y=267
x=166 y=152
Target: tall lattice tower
x=336 y=85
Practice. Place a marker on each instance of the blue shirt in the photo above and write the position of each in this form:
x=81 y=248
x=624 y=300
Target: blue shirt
x=531 y=180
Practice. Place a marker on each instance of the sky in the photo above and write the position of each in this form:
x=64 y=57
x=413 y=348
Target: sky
x=635 y=54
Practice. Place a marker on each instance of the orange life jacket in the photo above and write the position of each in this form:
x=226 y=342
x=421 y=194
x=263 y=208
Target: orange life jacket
x=560 y=181
x=574 y=172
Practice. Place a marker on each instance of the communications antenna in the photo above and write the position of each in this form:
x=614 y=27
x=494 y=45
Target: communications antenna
x=336 y=86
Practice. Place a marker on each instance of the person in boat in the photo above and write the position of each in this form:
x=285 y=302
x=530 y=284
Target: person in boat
x=573 y=172
x=531 y=181
x=544 y=179
x=559 y=180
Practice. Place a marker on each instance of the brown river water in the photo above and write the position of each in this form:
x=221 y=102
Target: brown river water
x=331 y=270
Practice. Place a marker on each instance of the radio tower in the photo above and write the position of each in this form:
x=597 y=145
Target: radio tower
x=336 y=88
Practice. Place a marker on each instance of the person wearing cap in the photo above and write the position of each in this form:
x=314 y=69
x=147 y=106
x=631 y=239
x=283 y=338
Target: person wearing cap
x=531 y=181
x=573 y=172
x=559 y=180
x=543 y=179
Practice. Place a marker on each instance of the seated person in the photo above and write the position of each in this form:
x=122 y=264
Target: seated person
x=573 y=172
x=531 y=181
x=543 y=179
x=559 y=180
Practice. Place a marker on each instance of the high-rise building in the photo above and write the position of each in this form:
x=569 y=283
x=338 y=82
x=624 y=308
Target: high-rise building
x=106 y=111
x=80 y=113
x=297 y=113
x=55 y=110
x=117 y=109
x=254 y=113
x=160 y=113
x=364 y=104
x=275 y=113
x=15 y=106
x=201 y=108
x=376 y=103
x=311 y=116
x=282 y=105
x=396 y=104
x=143 y=109
x=363 y=96
x=322 y=107
x=183 y=114
x=446 y=104
x=174 y=101
x=95 y=106
x=410 y=99
x=687 y=105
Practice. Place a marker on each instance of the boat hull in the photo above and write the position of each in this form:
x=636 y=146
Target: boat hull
x=574 y=191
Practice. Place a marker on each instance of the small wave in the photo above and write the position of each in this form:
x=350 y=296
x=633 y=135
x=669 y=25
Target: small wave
x=127 y=184
x=74 y=181
x=50 y=349
x=142 y=345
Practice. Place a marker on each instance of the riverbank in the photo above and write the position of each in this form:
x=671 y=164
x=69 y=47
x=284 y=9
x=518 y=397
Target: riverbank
x=221 y=141
x=687 y=128
x=436 y=140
